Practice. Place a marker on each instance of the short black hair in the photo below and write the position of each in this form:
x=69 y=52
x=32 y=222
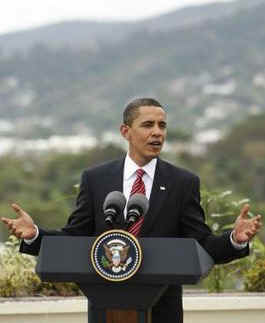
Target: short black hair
x=130 y=111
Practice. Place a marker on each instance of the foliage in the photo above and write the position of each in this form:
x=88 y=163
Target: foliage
x=221 y=209
x=44 y=185
x=18 y=277
x=178 y=135
x=255 y=277
x=254 y=270
x=239 y=158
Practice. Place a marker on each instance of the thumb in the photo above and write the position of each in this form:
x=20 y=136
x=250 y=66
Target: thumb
x=20 y=212
x=244 y=211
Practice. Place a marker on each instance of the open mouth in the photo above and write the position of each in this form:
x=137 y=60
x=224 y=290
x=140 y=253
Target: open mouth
x=155 y=144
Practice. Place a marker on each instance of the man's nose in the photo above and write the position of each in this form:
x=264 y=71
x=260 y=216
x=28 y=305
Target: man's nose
x=157 y=131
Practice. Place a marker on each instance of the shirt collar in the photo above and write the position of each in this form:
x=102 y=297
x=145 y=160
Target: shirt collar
x=130 y=167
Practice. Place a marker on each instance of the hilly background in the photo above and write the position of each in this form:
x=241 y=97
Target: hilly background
x=206 y=64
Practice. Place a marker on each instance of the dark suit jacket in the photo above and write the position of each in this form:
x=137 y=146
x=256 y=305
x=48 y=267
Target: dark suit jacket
x=173 y=212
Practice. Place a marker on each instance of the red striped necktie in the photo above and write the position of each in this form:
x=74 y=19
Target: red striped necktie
x=138 y=187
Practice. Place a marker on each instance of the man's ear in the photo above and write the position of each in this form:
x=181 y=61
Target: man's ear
x=124 y=130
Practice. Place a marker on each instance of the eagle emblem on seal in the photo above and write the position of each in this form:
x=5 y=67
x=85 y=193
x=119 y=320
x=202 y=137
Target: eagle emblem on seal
x=116 y=255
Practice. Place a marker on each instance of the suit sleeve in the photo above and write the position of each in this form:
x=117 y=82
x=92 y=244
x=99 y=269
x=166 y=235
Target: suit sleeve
x=80 y=222
x=193 y=226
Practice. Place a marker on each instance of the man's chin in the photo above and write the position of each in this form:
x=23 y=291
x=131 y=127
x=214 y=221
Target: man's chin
x=155 y=151
x=153 y=154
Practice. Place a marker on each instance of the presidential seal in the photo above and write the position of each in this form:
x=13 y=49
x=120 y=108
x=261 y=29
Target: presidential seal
x=116 y=255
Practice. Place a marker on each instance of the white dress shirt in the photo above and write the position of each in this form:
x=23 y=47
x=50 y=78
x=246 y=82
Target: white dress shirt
x=129 y=176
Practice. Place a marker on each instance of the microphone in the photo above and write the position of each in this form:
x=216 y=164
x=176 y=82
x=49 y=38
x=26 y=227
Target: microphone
x=137 y=206
x=113 y=206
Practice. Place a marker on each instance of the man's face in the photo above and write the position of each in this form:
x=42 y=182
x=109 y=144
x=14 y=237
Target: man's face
x=146 y=134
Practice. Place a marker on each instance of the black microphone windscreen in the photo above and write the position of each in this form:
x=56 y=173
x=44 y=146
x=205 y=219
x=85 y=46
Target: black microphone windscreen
x=115 y=199
x=138 y=201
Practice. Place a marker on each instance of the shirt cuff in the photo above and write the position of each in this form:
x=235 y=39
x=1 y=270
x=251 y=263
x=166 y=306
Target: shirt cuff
x=236 y=245
x=30 y=241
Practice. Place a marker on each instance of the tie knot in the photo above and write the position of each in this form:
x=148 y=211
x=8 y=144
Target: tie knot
x=140 y=172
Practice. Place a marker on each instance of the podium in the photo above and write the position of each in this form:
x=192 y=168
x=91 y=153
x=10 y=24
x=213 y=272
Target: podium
x=166 y=261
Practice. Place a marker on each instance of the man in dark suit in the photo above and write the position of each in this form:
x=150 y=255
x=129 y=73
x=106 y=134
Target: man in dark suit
x=173 y=194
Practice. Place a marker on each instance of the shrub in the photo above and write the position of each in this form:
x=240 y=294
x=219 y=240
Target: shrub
x=254 y=274
x=255 y=277
x=18 y=277
x=221 y=210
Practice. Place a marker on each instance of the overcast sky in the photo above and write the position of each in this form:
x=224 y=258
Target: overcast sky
x=21 y=14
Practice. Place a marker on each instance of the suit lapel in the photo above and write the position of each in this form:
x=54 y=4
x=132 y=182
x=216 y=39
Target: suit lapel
x=114 y=180
x=160 y=190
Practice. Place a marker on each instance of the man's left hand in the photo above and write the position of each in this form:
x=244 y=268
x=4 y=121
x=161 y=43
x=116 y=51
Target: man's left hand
x=245 y=228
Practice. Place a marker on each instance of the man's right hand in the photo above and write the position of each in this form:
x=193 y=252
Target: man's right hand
x=23 y=226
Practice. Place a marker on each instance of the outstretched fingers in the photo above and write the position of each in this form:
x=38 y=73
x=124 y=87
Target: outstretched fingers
x=17 y=209
x=254 y=226
x=12 y=222
x=8 y=222
x=22 y=226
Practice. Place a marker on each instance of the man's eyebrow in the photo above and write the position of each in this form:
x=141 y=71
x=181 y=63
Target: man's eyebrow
x=153 y=121
x=148 y=121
